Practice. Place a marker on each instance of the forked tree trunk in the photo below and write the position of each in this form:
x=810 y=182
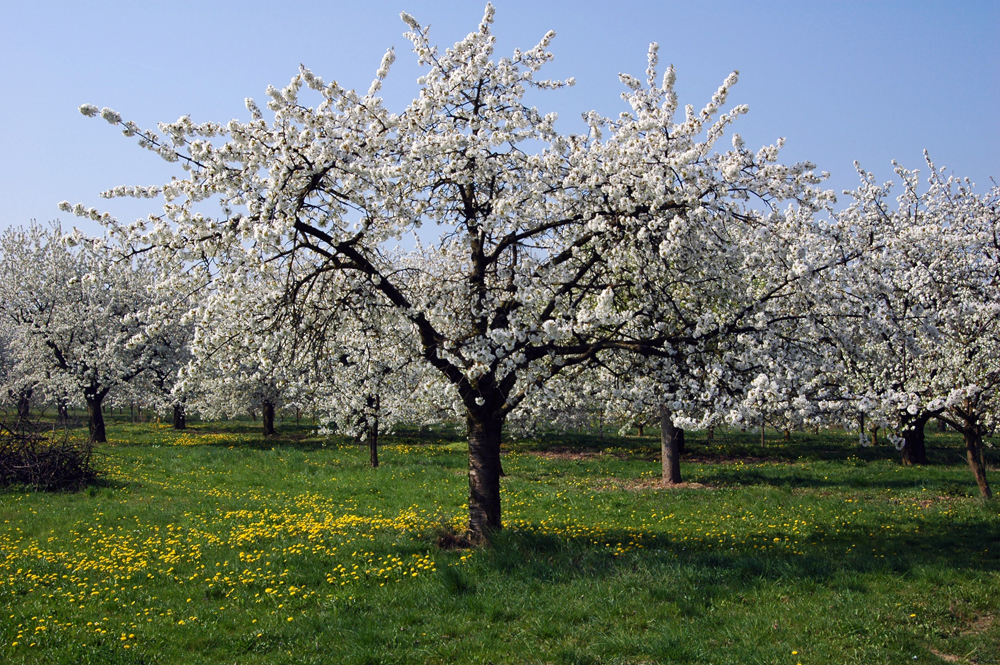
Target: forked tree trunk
x=180 y=421
x=914 y=450
x=267 y=417
x=95 y=415
x=484 y=475
x=671 y=439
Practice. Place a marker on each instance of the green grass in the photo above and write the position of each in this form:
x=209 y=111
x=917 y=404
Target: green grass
x=217 y=546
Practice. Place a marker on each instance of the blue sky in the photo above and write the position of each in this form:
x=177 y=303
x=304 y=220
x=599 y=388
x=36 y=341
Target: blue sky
x=841 y=81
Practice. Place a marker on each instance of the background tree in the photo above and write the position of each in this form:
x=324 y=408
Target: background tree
x=75 y=310
x=918 y=313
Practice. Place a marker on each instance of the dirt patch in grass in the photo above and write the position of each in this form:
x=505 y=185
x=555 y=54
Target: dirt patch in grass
x=639 y=485
x=980 y=625
x=926 y=503
x=566 y=454
x=576 y=455
x=722 y=458
x=944 y=656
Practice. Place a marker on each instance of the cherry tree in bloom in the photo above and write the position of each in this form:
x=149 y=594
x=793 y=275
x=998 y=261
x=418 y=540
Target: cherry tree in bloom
x=368 y=379
x=239 y=363
x=76 y=310
x=549 y=243
x=920 y=311
x=17 y=387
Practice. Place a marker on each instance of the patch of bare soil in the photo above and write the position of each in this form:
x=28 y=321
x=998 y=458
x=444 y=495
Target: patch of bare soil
x=720 y=458
x=980 y=625
x=638 y=485
x=944 y=656
x=571 y=454
x=926 y=503
x=566 y=454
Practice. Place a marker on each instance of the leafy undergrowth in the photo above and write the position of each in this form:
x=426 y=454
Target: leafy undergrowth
x=215 y=545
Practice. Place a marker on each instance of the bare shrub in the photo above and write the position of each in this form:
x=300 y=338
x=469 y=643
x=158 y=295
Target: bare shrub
x=42 y=459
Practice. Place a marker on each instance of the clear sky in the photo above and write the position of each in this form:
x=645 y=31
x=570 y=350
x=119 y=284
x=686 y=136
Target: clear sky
x=842 y=81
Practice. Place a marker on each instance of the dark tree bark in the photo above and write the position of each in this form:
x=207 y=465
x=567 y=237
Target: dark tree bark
x=976 y=456
x=966 y=422
x=94 y=397
x=180 y=420
x=710 y=434
x=671 y=440
x=641 y=427
x=485 y=470
x=24 y=403
x=267 y=417
x=375 y=402
x=914 y=450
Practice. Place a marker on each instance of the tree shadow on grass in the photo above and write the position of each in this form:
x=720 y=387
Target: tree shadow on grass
x=823 y=558
x=937 y=480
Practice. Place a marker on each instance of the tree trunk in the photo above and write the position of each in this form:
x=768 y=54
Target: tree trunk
x=484 y=475
x=914 y=451
x=267 y=417
x=180 y=421
x=873 y=435
x=710 y=434
x=977 y=459
x=373 y=433
x=24 y=403
x=670 y=443
x=642 y=429
x=95 y=416
x=942 y=426
x=763 y=440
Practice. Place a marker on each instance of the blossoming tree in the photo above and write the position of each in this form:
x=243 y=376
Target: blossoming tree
x=919 y=312
x=547 y=246
x=78 y=315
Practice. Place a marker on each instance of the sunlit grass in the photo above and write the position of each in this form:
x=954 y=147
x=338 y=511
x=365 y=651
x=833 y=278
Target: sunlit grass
x=216 y=545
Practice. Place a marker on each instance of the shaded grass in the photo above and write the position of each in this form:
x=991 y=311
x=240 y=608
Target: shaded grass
x=821 y=548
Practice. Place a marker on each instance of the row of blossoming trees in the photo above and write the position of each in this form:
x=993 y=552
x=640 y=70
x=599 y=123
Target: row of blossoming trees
x=641 y=265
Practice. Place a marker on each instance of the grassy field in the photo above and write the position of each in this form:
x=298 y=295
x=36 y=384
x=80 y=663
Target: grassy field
x=215 y=546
